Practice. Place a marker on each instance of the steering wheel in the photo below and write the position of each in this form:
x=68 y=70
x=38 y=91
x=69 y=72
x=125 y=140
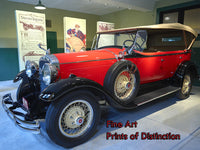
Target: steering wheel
x=124 y=43
x=138 y=47
x=126 y=46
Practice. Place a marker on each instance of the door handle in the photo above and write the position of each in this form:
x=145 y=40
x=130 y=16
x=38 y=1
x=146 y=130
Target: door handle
x=162 y=59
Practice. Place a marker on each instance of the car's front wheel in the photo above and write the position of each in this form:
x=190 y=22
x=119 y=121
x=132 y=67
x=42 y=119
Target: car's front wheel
x=73 y=119
x=186 y=87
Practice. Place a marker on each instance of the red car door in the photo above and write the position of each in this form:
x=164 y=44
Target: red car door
x=149 y=66
x=171 y=60
x=169 y=63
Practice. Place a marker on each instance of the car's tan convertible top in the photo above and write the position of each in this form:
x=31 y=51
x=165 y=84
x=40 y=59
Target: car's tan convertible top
x=176 y=26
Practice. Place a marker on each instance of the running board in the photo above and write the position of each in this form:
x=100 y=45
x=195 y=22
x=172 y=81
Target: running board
x=145 y=98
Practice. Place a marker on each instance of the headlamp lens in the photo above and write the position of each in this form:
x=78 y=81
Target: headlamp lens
x=46 y=74
x=31 y=68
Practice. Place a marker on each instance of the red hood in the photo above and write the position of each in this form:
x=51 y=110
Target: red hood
x=108 y=53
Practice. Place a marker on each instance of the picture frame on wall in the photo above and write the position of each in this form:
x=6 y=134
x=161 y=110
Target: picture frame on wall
x=74 y=34
x=31 y=31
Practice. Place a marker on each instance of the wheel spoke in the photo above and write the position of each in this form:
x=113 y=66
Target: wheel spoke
x=186 y=85
x=121 y=88
x=76 y=118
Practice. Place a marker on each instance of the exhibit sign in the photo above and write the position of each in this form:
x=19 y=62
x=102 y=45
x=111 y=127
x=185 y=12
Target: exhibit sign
x=31 y=30
x=104 y=26
x=106 y=39
x=74 y=34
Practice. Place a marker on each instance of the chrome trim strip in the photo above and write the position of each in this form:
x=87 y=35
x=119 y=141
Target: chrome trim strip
x=87 y=61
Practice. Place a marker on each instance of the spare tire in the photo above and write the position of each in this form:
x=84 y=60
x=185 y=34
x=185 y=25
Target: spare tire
x=122 y=81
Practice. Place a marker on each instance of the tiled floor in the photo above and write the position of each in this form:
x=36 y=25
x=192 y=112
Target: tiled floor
x=162 y=116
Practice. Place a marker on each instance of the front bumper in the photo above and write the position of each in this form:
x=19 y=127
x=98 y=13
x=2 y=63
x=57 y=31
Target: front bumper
x=10 y=107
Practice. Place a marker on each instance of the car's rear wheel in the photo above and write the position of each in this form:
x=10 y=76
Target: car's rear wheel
x=122 y=80
x=186 y=87
x=73 y=119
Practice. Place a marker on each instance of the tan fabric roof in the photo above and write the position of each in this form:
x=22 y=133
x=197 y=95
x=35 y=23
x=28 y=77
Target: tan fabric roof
x=176 y=26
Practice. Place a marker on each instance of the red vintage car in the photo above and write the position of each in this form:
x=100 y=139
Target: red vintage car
x=129 y=67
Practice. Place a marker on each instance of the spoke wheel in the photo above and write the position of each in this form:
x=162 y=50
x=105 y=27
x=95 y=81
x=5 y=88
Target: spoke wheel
x=73 y=119
x=186 y=87
x=122 y=81
x=124 y=84
x=76 y=118
x=186 y=84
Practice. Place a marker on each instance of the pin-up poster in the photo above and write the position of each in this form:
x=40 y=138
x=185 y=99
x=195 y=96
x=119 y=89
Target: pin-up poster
x=74 y=34
x=31 y=30
x=106 y=39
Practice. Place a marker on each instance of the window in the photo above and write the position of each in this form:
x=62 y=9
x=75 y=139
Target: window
x=171 y=39
x=140 y=40
x=192 y=18
x=186 y=13
x=115 y=40
x=170 y=17
x=164 y=40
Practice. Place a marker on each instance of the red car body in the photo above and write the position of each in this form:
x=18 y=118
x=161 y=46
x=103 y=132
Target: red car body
x=94 y=65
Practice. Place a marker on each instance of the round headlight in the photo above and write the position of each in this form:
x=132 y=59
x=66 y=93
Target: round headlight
x=49 y=73
x=31 y=68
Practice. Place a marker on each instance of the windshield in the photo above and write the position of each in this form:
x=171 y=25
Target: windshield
x=129 y=41
x=115 y=40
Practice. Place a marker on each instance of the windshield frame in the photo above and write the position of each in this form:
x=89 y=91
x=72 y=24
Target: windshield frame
x=131 y=34
x=132 y=45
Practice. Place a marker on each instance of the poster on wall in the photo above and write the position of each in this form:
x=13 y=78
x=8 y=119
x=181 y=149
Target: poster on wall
x=106 y=39
x=74 y=34
x=104 y=26
x=31 y=30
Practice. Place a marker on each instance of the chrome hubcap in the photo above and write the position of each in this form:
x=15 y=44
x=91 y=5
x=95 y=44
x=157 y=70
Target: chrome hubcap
x=186 y=84
x=76 y=118
x=79 y=121
x=124 y=85
x=128 y=85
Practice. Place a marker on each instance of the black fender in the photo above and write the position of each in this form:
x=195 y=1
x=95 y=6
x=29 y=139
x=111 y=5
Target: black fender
x=58 y=89
x=29 y=89
x=187 y=66
x=182 y=69
x=21 y=75
x=24 y=86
